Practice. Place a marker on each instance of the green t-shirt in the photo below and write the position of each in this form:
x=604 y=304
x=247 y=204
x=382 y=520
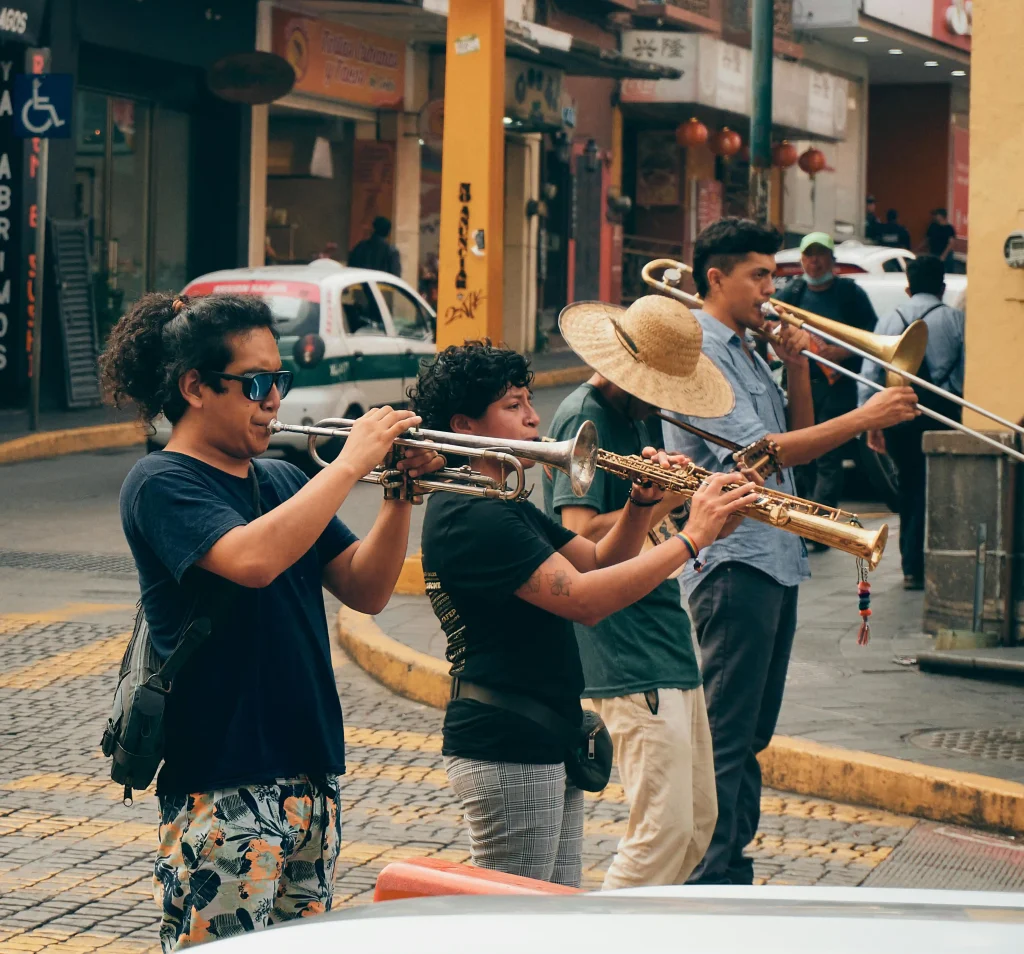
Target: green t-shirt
x=647 y=645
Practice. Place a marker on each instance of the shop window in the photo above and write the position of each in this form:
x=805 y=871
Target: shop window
x=360 y=311
x=407 y=315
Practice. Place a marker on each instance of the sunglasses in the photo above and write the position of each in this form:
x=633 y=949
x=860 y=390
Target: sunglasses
x=256 y=385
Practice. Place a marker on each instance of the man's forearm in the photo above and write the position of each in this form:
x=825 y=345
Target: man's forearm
x=801 y=404
x=809 y=443
x=626 y=537
x=378 y=560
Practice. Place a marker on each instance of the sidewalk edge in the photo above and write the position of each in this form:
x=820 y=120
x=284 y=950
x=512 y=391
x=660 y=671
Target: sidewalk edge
x=794 y=765
x=72 y=440
x=576 y=374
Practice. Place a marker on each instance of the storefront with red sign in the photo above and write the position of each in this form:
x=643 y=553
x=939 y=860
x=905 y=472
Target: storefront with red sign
x=329 y=170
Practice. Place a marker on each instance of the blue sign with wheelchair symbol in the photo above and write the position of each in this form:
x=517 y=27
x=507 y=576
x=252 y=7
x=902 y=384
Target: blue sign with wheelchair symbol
x=42 y=105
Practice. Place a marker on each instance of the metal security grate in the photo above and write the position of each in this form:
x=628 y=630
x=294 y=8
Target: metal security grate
x=102 y=563
x=951 y=858
x=1003 y=744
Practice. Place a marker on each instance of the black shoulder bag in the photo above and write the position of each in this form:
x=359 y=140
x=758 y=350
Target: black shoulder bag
x=588 y=746
x=134 y=734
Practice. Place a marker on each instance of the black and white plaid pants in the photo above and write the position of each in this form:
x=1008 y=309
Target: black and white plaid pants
x=524 y=820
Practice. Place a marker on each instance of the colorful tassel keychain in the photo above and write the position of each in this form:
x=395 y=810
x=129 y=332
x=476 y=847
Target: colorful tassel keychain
x=864 y=603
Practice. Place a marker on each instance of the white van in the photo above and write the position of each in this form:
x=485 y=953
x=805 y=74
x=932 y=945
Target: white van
x=354 y=339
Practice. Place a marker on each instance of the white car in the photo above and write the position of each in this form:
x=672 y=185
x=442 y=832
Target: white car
x=853 y=258
x=698 y=919
x=354 y=339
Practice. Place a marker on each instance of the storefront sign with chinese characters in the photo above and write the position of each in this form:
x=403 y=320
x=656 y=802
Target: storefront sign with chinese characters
x=718 y=74
x=338 y=62
x=533 y=94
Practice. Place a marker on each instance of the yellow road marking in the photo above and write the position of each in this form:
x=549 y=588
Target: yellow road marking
x=93 y=660
x=13 y=623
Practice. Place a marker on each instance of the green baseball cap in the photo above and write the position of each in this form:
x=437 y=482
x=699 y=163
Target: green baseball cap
x=817 y=238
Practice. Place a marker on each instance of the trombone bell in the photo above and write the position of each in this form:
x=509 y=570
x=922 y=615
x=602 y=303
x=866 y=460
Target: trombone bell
x=905 y=351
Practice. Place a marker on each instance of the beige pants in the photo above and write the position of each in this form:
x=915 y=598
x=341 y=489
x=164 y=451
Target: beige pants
x=668 y=772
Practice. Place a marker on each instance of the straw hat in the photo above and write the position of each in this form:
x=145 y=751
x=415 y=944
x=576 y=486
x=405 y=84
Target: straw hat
x=651 y=350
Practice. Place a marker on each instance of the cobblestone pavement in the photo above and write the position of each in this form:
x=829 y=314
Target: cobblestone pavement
x=75 y=863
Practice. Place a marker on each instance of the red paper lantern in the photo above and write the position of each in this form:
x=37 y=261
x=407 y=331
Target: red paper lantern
x=726 y=142
x=812 y=162
x=784 y=154
x=691 y=133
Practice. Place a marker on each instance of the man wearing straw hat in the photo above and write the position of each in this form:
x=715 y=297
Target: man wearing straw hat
x=639 y=664
x=743 y=601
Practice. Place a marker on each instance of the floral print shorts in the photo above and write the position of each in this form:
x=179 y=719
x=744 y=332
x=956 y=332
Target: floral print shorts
x=241 y=859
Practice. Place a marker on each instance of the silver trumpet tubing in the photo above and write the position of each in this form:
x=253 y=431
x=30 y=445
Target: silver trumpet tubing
x=576 y=458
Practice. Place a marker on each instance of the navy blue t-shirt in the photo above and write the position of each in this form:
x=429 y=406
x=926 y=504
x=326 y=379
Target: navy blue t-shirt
x=257 y=701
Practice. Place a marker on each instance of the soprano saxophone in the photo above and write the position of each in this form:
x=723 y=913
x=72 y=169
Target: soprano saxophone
x=835 y=528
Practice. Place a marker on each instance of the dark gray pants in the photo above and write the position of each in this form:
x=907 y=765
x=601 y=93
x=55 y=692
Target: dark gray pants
x=745 y=623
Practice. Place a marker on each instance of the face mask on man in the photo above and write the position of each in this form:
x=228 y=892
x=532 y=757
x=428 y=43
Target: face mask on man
x=820 y=280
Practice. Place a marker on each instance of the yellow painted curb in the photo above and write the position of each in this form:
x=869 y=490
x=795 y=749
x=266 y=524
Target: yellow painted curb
x=406 y=671
x=792 y=765
x=897 y=785
x=552 y=379
x=410 y=580
x=72 y=440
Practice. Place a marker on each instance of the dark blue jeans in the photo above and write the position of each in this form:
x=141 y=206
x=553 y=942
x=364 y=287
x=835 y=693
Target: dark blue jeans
x=745 y=623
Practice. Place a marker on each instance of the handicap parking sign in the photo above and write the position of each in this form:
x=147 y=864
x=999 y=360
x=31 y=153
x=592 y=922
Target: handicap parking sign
x=42 y=105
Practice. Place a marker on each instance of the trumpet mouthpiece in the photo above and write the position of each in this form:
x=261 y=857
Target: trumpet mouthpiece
x=768 y=310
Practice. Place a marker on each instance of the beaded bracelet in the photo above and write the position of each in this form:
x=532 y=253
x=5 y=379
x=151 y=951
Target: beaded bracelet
x=639 y=503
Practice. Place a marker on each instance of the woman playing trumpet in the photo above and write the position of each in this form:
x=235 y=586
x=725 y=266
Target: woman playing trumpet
x=507 y=583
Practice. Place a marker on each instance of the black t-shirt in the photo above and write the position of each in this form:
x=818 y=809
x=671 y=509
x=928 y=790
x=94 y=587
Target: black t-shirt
x=938 y=237
x=893 y=236
x=476 y=553
x=258 y=700
x=844 y=300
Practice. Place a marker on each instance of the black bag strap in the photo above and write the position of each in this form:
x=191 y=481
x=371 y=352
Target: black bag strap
x=561 y=729
x=196 y=630
x=907 y=324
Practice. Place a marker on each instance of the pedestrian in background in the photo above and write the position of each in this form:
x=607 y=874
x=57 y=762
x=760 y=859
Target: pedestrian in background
x=825 y=293
x=944 y=366
x=872 y=224
x=940 y=239
x=893 y=234
x=376 y=252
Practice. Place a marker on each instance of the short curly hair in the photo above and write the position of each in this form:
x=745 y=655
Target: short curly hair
x=725 y=243
x=466 y=379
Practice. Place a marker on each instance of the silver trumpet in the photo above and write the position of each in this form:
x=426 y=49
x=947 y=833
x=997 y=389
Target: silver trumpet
x=576 y=458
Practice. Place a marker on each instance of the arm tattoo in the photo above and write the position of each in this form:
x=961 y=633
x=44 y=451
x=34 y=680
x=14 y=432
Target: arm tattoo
x=533 y=583
x=559 y=582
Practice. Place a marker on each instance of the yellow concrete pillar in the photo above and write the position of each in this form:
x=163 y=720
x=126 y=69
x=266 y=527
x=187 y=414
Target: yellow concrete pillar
x=472 y=174
x=995 y=296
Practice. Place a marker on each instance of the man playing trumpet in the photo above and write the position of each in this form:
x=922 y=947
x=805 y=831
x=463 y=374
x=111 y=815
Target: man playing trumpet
x=743 y=600
x=250 y=813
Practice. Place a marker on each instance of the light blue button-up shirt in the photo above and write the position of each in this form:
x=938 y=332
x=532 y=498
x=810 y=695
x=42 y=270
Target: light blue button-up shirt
x=945 y=352
x=760 y=410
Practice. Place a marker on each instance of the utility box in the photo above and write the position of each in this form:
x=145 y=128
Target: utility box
x=970 y=483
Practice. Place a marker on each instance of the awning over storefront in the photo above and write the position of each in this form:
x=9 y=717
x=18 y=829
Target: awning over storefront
x=426 y=21
x=806 y=103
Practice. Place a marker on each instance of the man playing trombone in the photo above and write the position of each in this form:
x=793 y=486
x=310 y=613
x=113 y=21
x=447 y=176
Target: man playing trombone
x=250 y=814
x=743 y=599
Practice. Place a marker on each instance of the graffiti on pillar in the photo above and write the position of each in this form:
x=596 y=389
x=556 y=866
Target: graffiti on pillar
x=467 y=307
x=467 y=302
